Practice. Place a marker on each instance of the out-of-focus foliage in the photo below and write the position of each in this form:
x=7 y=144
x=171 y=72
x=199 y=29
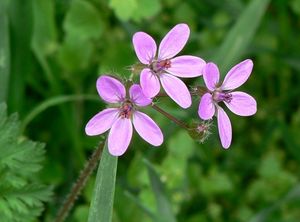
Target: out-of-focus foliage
x=21 y=194
x=56 y=48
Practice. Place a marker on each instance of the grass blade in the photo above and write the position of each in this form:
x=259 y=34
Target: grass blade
x=4 y=51
x=239 y=37
x=292 y=195
x=139 y=203
x=44 y=35
x=164 y=209
x=20 y=24
x=103 y=196
x=54 y=101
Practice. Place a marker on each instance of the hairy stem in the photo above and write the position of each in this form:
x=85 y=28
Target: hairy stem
x=79 y=185
x=170 y=117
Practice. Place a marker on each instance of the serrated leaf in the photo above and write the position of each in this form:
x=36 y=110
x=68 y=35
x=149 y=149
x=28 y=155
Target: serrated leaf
x=21 y=196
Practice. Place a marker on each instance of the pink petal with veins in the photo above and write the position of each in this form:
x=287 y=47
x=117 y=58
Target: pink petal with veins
x=224 y=127
x=144 y=47
x=101 y=122
x=149 y=83
x=119 y=136
x=211 y=76
x=110 y=89
x=238 y=75
x=242 y=104
x=186 y=66
x=176 y=89
x=147 y=128
x=173 y=42
x=206 y=108
x=137 y=96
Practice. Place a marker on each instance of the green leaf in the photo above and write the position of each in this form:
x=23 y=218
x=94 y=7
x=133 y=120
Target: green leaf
x=44 y=30
x=101 y=208
x=75 y=54
x=240 y=35
x=140 y=204
x=44 y=35
x=146 y=9
x=164 y=209
x=295 y=5
x=292 y=195
x=4 y=51
x=135 y=9
x=21 y=195
x=82 y=26
x=180 y=148
x=123 y=9
x=83 y=21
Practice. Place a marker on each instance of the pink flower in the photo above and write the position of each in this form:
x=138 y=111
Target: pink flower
x=119 y=120
x=239 y=103
x=164 y=67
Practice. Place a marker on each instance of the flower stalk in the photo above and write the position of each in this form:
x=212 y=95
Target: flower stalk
x=170 y=117
x=79 y=185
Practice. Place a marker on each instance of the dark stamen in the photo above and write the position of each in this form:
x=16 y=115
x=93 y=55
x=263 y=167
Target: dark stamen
x=158 y=66
x=222 y=96
x=126 y=110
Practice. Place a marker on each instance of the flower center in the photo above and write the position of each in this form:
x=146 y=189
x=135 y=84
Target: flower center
x=159 y=66
x=222 y=97
x=126 y=110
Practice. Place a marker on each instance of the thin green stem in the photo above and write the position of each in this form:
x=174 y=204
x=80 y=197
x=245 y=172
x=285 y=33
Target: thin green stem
x=79 y=185
x=171 y=117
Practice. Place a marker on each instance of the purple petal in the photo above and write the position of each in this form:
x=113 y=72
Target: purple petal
x=224 y=126
x=101 y=122
x=173 y=42
x=211 y=76
x=238 y=75
x=186 y=66
x=137 y=96
x=242 y=104
x=147 y=128
x=119 y=136
x=206 y=107
x=149 y=83
x=176 y=89
x=110 y=89
x=144 y=47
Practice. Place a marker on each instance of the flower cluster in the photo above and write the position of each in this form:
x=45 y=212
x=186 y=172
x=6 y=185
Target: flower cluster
x=163 y=67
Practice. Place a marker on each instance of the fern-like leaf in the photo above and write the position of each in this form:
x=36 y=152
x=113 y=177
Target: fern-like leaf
x=21 y=194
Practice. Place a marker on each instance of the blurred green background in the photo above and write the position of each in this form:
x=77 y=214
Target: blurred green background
x=52 y=51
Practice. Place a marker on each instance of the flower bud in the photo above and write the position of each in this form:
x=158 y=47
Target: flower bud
x=136 y=69
x=200 y=131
